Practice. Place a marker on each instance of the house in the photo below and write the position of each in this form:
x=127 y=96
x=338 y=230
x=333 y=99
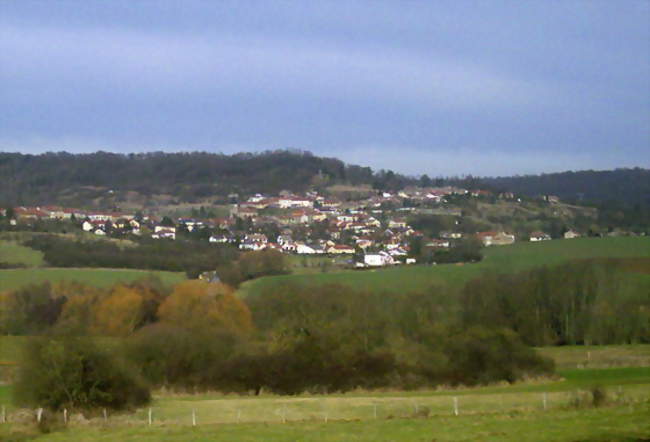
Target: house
x=288 y=246
x=292 y=202
x=438 y=243
x=570 y=234
x=162 y=232
x=340 y=249
x=304 y=249
x=248 y=244
x=539 y=236
x=451 y=235
x=495 y=238
x=221 y=239
x=380 y=259
x=284 y=239
x=397 y=223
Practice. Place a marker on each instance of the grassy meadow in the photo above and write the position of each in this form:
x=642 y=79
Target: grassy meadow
x=538 y=411
x=16 y=278
x=517 y=257
x=13 y=253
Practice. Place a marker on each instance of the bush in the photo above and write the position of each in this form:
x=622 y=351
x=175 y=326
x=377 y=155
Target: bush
x=73 y=373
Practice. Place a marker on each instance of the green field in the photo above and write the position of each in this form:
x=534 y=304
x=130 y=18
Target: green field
x=13 y=253
x=506 y=259
x=15 y=278
x=492 y=413
x=538 y=410
x=621 y=423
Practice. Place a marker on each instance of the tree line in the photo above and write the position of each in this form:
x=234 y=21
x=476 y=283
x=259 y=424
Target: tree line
x=190 y=257
x=291 y=338
x=200 y=336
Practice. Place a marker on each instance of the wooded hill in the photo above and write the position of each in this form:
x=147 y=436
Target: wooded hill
x=79 y=179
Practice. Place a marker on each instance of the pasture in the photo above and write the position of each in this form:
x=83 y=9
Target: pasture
x=542 y=411
x=16 y=278
x=15 y=254
x=506 y=259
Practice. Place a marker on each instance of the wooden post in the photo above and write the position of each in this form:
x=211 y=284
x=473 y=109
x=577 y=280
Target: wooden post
x=455 y=405
x=238 y=416
x=39 y=414
x=194 y=417
x=105 y=415
x=150 y=417
x=375 y=413
x=326 y=416
x=284 y=413
x=4 y=415
x=65 y=415
x=544 y=400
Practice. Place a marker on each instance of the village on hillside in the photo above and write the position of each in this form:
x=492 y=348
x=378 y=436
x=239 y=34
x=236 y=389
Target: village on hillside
x=376 y=230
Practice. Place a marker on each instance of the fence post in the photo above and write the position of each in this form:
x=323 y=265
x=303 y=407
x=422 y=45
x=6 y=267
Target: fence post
x=375 y=412
x=284 y=413
x=455 y=405
x=544 y=400
x=150 y=417
x=194 y=417
x=238 y=416
x=4 y=414
x=105 y=415
x=65 y=415
x=39 y=414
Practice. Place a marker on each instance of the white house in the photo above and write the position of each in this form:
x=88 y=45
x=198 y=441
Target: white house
x=539 y=236
x=378 y=260
x=304 y=249
x=570 y=234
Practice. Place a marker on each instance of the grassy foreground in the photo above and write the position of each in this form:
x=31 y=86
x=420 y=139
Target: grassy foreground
x=16 y=278
x=506 y=259
x=537 y=410
x=620 y=423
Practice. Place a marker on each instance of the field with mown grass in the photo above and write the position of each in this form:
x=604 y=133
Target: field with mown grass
x=16 y=278
x=505 y=259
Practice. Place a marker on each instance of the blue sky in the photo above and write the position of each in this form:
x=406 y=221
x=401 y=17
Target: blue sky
x=443 y=88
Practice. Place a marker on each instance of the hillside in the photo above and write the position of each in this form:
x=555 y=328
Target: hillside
x=628 y=186
x=106 y=179
x=504 y=259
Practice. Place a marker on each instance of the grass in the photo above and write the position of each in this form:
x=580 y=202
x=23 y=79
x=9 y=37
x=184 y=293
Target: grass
x=16 y=278
x=598 y=356
x=620 y=423
x=517 y=257
x=497 y=412
x=13 y=253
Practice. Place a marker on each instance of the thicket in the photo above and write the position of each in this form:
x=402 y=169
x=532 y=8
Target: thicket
x=292 y=338
x=74 y=373
x=176 y=256
x=597 y=301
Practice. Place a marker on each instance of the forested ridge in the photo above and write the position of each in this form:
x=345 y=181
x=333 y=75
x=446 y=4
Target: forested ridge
x=623 y=186
x=56 y=177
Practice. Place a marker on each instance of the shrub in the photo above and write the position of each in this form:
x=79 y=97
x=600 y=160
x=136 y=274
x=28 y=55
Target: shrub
x=74 y=373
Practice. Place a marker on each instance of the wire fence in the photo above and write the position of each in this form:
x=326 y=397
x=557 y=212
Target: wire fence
x=193 y=411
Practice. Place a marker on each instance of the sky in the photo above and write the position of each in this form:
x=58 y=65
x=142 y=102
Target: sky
x=443 y=88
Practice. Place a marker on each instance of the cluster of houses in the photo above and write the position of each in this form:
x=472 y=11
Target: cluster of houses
x=308 y=224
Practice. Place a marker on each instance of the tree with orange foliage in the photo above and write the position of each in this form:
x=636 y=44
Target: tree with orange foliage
x=119 y=313
x=206 y=306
